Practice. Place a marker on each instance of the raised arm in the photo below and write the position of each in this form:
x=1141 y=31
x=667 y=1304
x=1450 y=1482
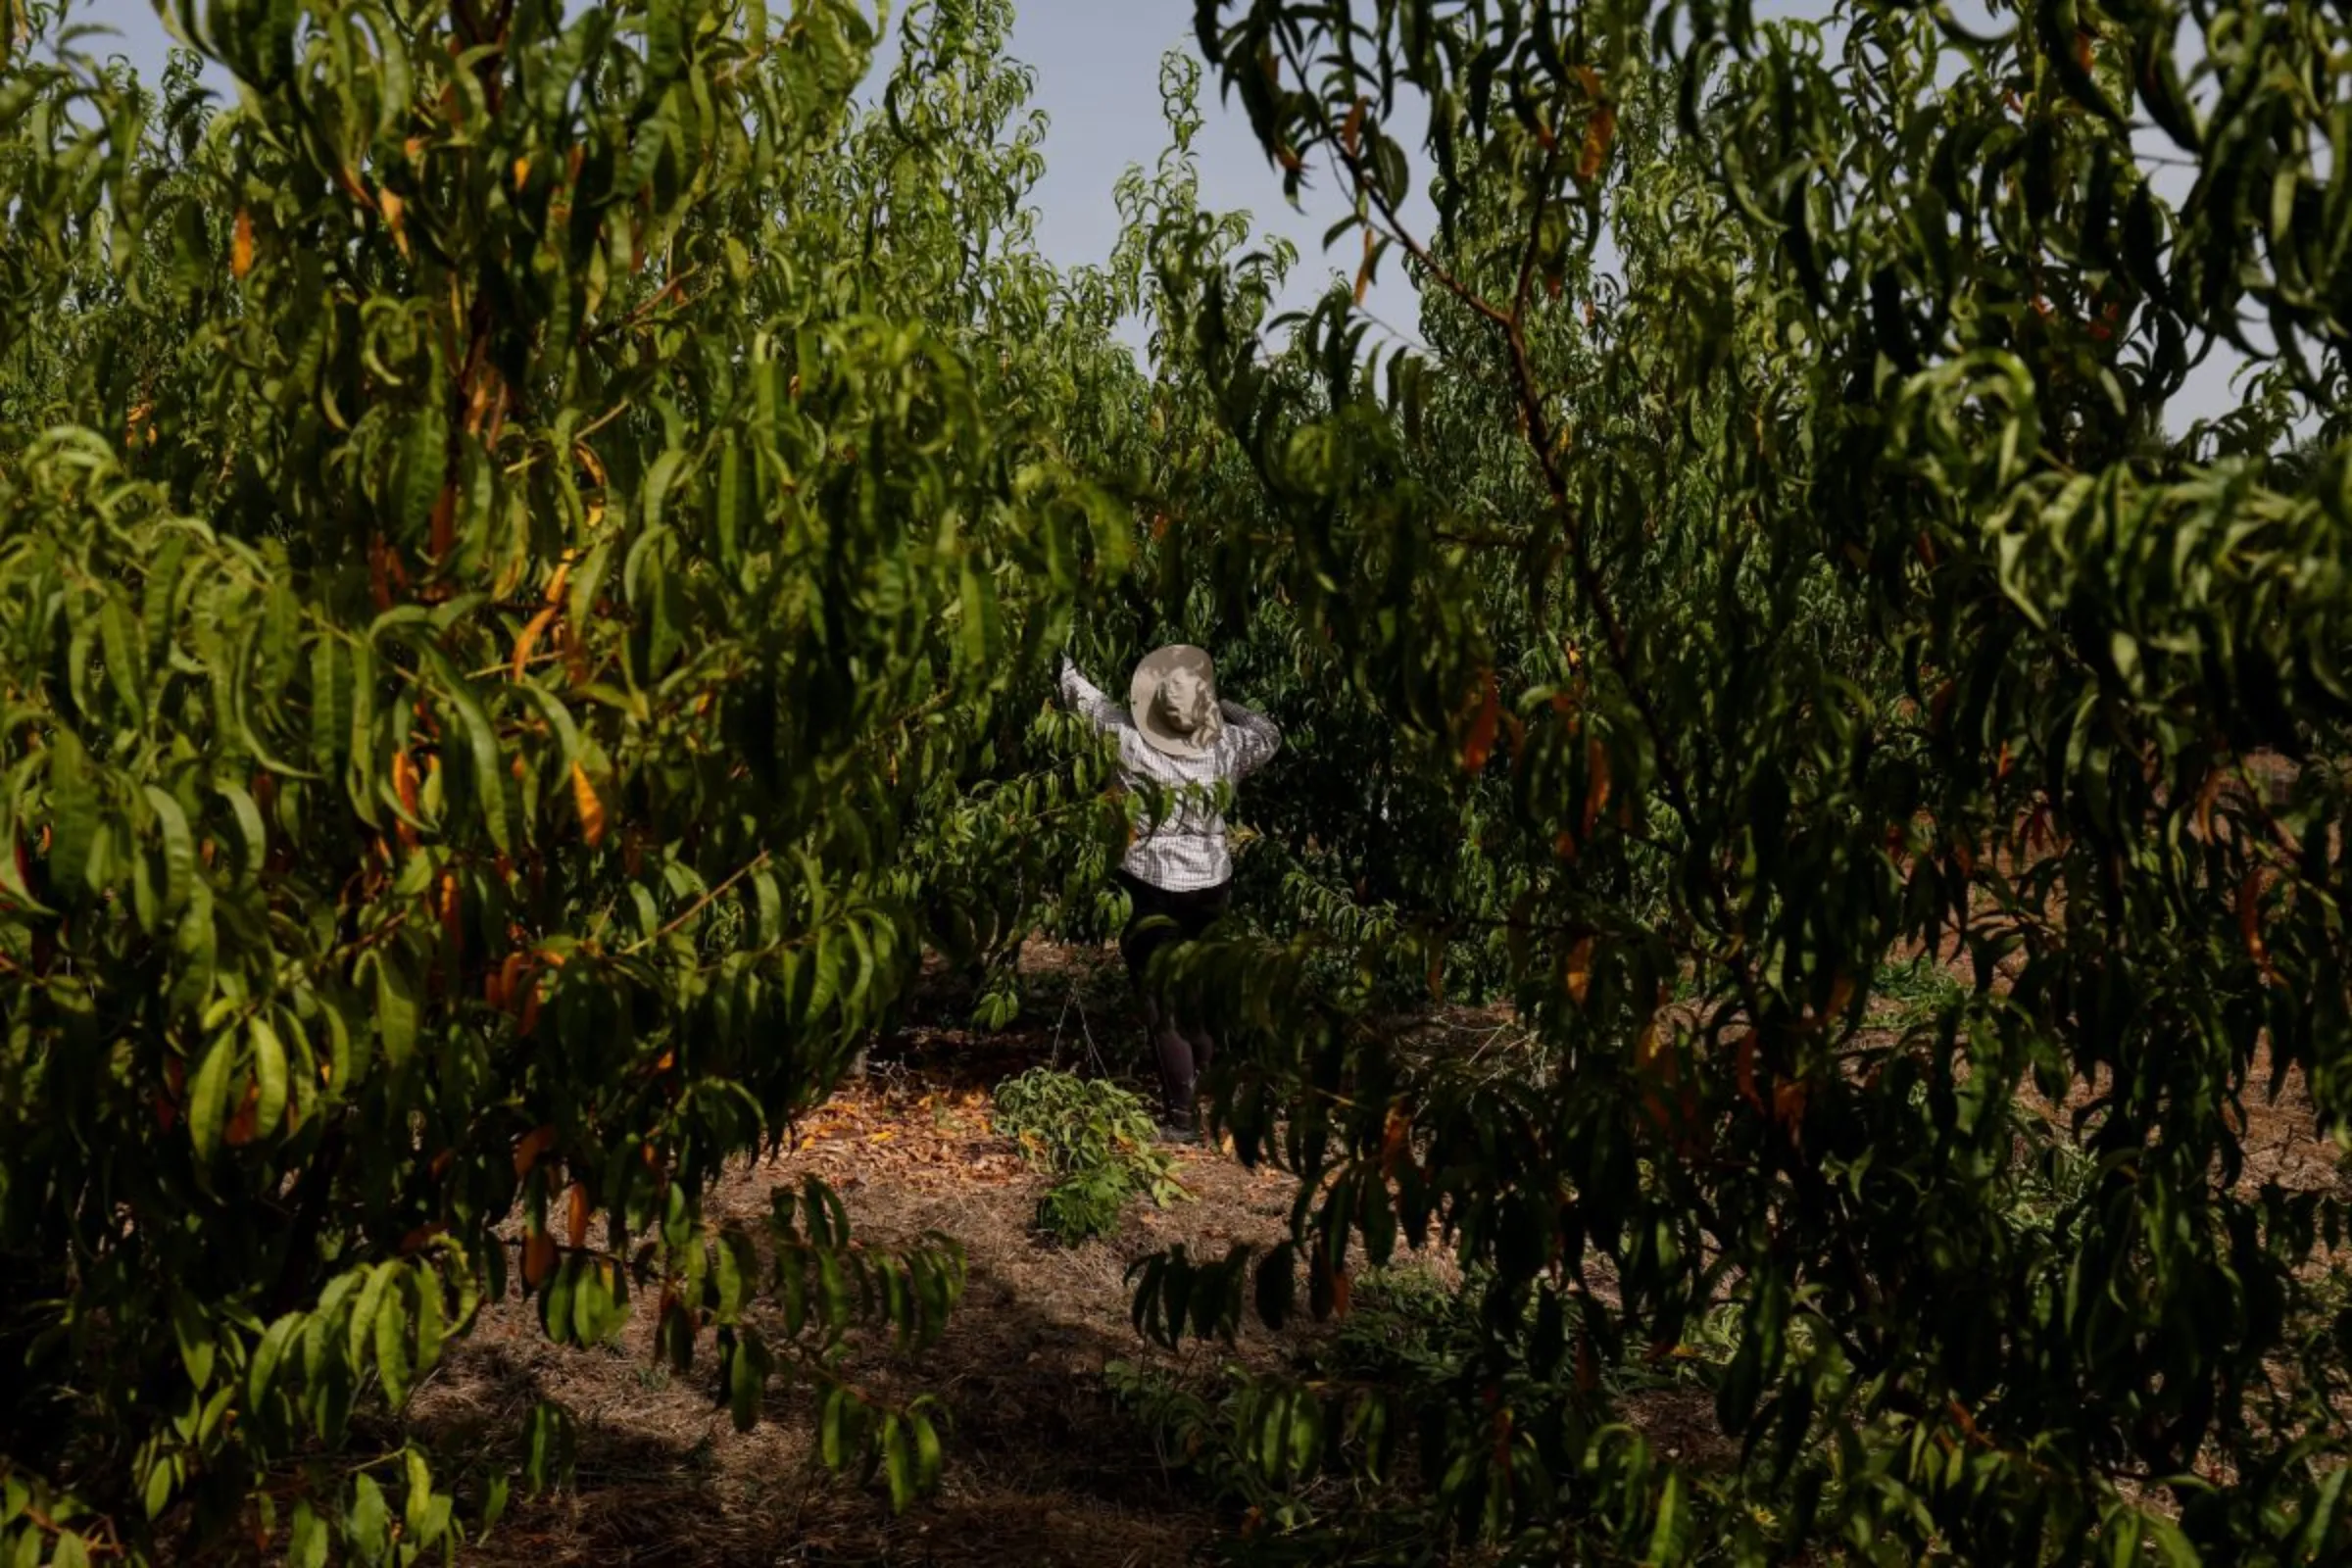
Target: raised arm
x=1083 y=697
x=1251 y=738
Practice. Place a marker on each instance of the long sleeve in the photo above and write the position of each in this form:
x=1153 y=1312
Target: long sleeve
x=1083 y=697
x=1250 y=739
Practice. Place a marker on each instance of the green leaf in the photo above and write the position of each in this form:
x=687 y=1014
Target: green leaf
x=729 y=1286
x=898 y=1463
x=483 y=773
x=375 y=1284
x=72 y=813
x=831 y=1443
x=268 y=1077
x=123 y=665
x=178 y=848
x=1665 y=1536
x=195 y=1336
x=420 y=470
x=664 y=42
x=417 y=1513
x=730 y=505
x=928 y=1459
x=248 y=818
x=369 y=1520
x=260 y=1373
x=392 y=1361
x=394 y=1007
x=330 y=703
x=11 y=838
x=432 y=1326
x=208 y=1094
x=547 y=1446
x=2171 y=1543
x=978 y=623
x=746 y=1379
x=160 y=593
x=306 y=1538
x=162 y=1481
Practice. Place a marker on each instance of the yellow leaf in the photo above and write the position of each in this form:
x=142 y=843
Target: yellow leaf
x=393 y=208
x=240 y=246
x=404 y=785
x=555 y=585
x=531 y=636
x=592 y=810
x=1580 y=972
x=523 y=172
x=449 y=906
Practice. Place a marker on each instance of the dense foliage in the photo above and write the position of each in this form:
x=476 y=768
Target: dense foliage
x=501 y=529
x=1815 y=585
x=527 y=546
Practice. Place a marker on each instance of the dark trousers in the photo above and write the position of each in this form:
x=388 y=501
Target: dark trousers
x=1181 y=1041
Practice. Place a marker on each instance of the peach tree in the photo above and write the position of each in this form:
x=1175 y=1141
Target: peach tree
x=504 y=526
x=1783 y=545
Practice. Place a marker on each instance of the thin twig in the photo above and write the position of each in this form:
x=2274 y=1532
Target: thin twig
x=698 y=905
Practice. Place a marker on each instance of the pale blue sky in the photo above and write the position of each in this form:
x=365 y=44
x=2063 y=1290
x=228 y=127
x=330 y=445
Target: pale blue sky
x=1097 y=64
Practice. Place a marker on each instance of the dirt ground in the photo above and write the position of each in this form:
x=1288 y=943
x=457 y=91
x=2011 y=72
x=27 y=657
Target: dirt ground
x=1041 y=1467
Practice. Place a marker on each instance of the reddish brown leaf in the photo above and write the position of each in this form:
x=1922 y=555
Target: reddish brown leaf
x=1481 y=743
x=1396 y=1140
x=1601 y=130
x=538 y=1257
x=530 y=1145
x=1596 y=763
x=2249 y=923
x=243 y=1126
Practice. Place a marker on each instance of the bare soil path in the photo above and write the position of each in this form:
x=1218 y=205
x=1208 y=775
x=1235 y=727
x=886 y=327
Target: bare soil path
x=1042 y=1468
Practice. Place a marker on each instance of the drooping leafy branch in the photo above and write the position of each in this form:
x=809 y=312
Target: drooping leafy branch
x=1811 y=586
x=501 y=553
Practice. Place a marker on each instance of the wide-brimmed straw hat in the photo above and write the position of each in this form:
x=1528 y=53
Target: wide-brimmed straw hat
x=1144 y=703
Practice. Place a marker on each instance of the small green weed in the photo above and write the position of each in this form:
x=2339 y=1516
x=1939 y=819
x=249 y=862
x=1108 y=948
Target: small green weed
x=1916 y=992
x=1097 y=1139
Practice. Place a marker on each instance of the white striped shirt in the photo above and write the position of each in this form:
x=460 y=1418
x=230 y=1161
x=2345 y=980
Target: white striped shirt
x=1184 y=849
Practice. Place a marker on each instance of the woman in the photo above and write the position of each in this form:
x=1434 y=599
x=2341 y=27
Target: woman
x=1178 y=740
